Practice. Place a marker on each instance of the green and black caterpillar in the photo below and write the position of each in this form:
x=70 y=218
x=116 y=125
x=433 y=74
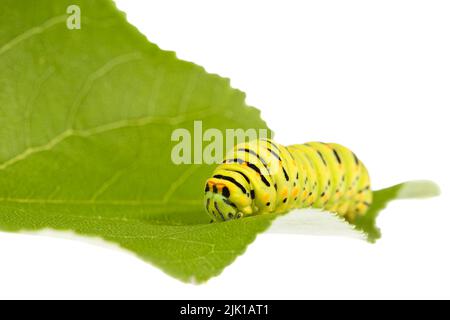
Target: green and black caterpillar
x=262 y=176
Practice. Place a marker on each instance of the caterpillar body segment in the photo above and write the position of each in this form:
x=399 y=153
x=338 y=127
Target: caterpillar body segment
x=262 y=176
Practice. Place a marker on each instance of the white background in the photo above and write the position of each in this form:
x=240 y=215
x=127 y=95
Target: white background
x=372 y=75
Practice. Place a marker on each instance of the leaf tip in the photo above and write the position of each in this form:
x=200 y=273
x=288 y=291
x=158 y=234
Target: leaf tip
x=419 y=189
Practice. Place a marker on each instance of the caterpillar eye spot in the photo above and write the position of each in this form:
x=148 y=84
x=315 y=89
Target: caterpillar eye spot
x=268 y=204
x=230 y=215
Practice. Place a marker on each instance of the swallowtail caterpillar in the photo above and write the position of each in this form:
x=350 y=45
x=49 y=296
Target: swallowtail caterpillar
x=262 y=176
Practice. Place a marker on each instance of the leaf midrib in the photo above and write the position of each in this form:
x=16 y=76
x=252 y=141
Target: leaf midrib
x=123 y=124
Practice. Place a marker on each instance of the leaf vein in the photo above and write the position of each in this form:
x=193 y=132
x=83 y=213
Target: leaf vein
x=32 y=32
x=96 y=75
x=85 y=133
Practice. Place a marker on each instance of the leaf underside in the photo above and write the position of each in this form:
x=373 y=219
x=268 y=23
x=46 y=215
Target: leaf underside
x=86 y=118
x=315 y=222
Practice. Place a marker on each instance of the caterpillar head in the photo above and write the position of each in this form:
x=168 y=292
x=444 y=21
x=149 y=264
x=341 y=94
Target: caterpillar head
x=225 y=201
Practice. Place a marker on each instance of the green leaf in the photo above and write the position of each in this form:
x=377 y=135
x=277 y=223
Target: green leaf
x=191 y=253
x=86 y=118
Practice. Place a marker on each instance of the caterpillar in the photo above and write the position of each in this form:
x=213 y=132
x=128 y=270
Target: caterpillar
x=262 y=176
